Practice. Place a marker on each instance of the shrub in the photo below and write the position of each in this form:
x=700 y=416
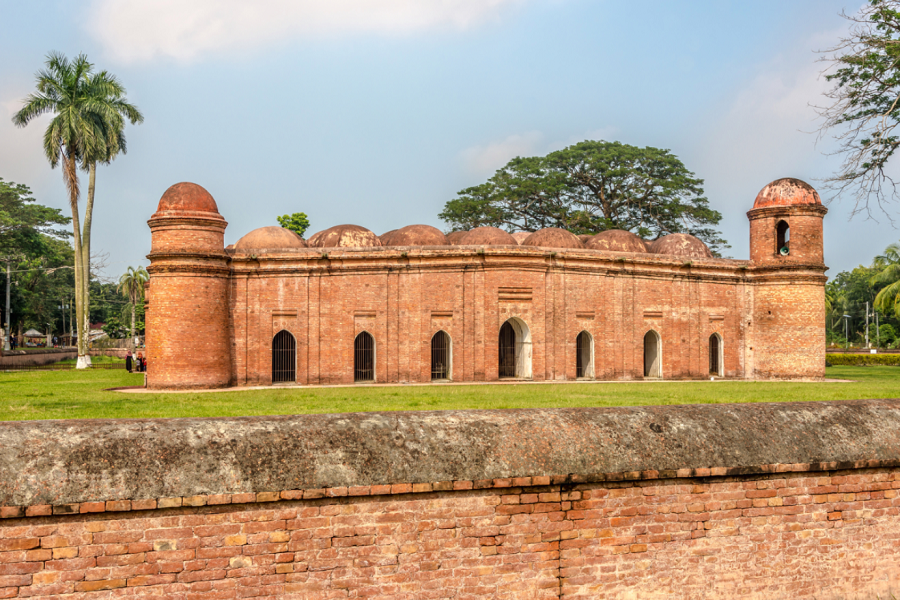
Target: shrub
x=864 y=360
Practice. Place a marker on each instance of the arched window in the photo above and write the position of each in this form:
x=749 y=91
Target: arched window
x=514 y=351
x=584 y=356
x=441 y=356
x=715 y=355
x=284 y=357
x=783 y=238
x=652 y=355
x=364 y=357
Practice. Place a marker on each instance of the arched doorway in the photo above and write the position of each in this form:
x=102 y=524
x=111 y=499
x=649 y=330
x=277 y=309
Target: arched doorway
x=652 y=355
x=584 y=356
x=364 y=357
x=441 y=356
x=514 y=350
x=284 y=357
x=716 y=355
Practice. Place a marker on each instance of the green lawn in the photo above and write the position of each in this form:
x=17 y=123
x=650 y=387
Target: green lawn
x=80 y=395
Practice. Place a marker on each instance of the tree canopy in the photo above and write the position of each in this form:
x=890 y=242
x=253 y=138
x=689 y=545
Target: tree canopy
x=591 y=187
x=23 y=220
x=297 y=222
x=865 y=104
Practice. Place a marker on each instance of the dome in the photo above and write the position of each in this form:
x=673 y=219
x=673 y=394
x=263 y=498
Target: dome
x=584 y=237
x=487 y=236
x=415 y=235
x=787 y=192
x=270 y=237
x=344 y=236
x=616 y=240
x=680 y=244
x=385 y=237
x=187 y=197
x=454 y=237
x=553 y=237
x=520 y=236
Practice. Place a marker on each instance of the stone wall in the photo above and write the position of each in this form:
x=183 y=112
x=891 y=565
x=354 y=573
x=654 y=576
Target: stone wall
x=718 y=501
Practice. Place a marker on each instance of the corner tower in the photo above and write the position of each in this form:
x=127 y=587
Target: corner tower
x=787 y=321
x=187 y=321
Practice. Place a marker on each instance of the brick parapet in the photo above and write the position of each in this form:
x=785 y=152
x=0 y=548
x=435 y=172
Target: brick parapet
x=420 y=487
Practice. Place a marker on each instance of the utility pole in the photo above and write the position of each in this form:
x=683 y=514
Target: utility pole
x=867 y=324
x=6 y=325
x=877 y=331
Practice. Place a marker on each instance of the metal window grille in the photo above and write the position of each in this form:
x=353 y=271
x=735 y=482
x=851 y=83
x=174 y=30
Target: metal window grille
x=440 y=356
x=364 y=357
x=582 y=354
x=507 y=351
x=713 y=355
x=284 y=357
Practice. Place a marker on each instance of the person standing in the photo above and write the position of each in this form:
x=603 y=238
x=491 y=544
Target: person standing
x=128 y=361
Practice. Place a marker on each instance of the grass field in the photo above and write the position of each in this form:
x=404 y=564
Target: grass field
x=81 y=395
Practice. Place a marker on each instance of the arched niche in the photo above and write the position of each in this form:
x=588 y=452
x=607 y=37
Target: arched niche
x=584 y=356
x=284 y=357
x=716 y=356
x=514 y=351
x=364 y=357
x=441 y=356
x=652 y=355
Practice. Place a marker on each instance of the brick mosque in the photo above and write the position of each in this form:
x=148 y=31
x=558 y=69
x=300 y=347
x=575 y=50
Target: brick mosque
x=415 y=305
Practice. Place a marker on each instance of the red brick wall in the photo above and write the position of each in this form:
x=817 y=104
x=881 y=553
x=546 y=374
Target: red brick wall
x=404 y=308
x=783 y=535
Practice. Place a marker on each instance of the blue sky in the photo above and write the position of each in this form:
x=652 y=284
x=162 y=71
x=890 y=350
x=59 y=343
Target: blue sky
x=376 y=112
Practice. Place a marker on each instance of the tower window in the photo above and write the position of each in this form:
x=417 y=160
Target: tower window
x=783 y=238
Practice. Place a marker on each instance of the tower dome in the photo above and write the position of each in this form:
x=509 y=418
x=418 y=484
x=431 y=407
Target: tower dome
x=188 y=199
x=787 y=192
x=454 y=238
x=680 y=244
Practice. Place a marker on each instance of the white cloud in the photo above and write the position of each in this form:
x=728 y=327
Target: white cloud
x=484 y=160
x=137 y=30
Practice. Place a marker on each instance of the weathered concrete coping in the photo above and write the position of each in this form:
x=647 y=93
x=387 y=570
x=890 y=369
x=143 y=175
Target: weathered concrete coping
x=63 y=462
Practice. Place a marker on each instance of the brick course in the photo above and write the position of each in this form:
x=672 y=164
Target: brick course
x=799 y=533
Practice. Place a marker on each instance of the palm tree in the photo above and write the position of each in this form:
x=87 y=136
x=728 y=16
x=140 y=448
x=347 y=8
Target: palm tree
x=888 y=264
x=132 y=285
x=87 y=127
x=116 y=111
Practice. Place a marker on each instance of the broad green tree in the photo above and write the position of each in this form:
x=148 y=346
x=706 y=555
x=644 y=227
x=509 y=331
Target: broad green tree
x=89 y=112
x=864 y=109
x=590 y=187
x=297 y=222
x=131 y=284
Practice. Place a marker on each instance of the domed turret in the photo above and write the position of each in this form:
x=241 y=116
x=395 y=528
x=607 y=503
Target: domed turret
x=416 y=235
x=787 y=192
x=487 y=236
x=187 y=198
x=187 y=308
x=616 y=240
x=344 y=236
x=680 y=244
x=553 y=237
x=270 y=237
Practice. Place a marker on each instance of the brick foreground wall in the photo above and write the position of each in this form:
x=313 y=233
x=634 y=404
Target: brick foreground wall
x=796 y=535
x=671 y=502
